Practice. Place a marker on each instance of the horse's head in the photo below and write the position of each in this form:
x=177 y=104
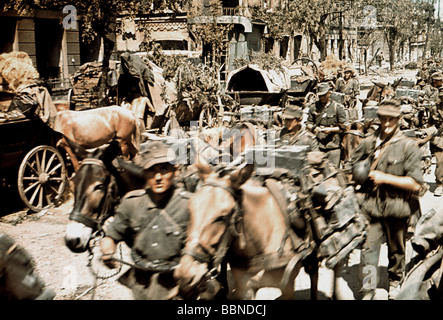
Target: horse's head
x=379 y=92
x=95 y=194
x=213 y=209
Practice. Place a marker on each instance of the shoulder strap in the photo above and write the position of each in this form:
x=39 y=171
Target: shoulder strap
x=383 y=147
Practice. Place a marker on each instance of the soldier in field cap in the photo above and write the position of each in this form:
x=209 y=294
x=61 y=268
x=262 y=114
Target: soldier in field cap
x=394 y=181
x=350 y=86
x=153 y=222
x=437 y=142
x=326 y=120
x=294 y=132
x=431 y=90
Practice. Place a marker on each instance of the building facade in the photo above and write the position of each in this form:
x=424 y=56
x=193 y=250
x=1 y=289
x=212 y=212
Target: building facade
x=54 y=50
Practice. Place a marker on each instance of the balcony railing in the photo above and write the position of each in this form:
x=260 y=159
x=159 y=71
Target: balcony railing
x=230 y=11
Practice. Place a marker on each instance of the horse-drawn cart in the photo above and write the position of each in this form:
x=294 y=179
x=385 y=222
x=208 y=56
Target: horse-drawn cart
x=258 y=93
x=31 y=161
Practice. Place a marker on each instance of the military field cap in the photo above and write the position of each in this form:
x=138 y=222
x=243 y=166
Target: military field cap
x=323 y=88
x=389 y=108
x=437 y=76
x=349 y=69
x=155 y=152
x=292 y=112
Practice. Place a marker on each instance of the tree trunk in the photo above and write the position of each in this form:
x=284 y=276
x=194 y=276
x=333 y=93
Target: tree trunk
x=321 y=45
x=391 y=36
x=340 y=38
x=108 y=46
x=365 y=58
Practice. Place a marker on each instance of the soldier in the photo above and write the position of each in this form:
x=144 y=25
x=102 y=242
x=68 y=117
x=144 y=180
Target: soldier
x=350 y=87
x=437 y=144
x=394 y=180
x=327 y=119
x=379 y=59
x=153 y=223
x=294 y=132
x=431 y=90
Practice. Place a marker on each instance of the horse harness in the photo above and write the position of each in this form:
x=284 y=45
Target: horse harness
x=269 y=261
x=106 y=203
x=232 y=222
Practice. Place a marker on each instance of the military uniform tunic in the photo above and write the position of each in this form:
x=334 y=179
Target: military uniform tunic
x=350 y=88
x=402 y=157
x=388 y=208
x=155 y=234
x=332 y=115
x=301 y=138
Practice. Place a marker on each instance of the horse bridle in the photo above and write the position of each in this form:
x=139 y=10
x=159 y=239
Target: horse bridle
x=234 y=217
x=106 y=203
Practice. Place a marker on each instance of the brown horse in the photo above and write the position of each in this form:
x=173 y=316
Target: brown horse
x=93 y=128
x=98 y=186
x=352 y=137
x=237 y=219
x=379 y=92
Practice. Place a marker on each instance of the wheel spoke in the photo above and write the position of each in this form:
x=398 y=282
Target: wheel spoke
x=35 y=194
x=43 y=161
x=30 y=166
x=30 y=178
x=55 y=168
x=51 y=159
x=40 y=198
x=32 y=186
x=55 y=190
x=37 y=162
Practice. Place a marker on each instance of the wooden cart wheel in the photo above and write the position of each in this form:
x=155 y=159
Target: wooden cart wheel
x=205 y=119
x=304 y=61
x=42 y=178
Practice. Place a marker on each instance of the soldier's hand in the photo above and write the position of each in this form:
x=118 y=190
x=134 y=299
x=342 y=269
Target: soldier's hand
x=107 y=261
x=378 y=177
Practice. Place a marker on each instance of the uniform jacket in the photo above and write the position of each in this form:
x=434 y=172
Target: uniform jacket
x=431 y=93
x=332 y=115
x=350 y=87
x=155 y=234
x=301 y=138
x=401 y=157
x=437 y=122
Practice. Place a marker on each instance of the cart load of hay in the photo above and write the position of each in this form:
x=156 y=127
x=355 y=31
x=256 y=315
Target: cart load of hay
x=16 y=69
x=332 y=67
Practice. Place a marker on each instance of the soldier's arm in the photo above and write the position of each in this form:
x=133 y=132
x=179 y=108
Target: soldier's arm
x=356 y=89
x=412 y=181
x=405 y=183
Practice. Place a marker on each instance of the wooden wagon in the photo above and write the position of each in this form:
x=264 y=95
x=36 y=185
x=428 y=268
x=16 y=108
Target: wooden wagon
x=31 y=161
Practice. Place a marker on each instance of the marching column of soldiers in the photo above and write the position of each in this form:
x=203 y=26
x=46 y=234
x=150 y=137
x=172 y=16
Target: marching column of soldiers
x=387 y=196
x=389 y=160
